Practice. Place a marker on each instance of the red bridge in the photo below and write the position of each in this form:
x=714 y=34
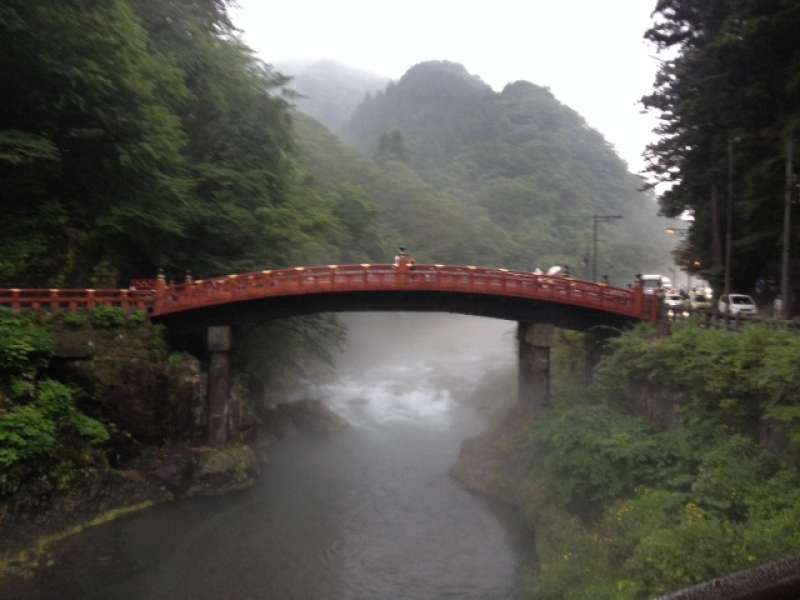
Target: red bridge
x=501 y=293
x=537 y=302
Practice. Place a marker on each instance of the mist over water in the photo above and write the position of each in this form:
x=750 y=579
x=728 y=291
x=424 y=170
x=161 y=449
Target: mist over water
x=368 y=512
x=416 y=369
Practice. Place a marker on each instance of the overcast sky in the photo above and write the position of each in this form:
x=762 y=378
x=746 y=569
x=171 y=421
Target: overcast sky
x=590 y=53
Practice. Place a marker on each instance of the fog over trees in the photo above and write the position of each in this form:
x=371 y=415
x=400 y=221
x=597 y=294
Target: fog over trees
x=461 y=172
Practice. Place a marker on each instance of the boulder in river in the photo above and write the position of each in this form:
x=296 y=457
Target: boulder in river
x=218 y=471
x=312 y=416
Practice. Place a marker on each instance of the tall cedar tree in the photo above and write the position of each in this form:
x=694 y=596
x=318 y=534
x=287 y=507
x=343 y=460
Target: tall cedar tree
x=734 y=83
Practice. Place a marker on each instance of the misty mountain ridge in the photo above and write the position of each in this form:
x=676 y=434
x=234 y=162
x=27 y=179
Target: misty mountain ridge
x=329 y=91
x=509 y=178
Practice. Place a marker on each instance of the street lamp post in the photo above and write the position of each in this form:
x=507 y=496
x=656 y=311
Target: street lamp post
x=595 y=220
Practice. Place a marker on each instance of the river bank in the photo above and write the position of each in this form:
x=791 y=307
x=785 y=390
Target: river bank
x=101 y=420
x=677 y=465
x=41 y=516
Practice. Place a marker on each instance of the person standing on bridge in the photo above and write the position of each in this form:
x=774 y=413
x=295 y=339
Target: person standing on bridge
x=401 y=260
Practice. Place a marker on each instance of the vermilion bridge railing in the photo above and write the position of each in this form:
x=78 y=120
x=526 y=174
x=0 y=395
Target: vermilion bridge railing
x=161 y=299
x=75 y=300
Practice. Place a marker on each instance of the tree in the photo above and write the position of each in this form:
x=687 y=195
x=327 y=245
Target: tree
x=88 y=105
x=734 y=81
x=392 y=146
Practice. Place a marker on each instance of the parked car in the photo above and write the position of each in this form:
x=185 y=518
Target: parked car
x=675 y=305
x=699 y=301
x=737 y=304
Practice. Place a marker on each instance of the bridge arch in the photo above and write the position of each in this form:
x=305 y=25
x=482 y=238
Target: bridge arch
x=499 y=293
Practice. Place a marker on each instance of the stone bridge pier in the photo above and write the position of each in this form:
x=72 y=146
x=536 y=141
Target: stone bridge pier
x=535 y=341
x=220 y=412
x=534 y=369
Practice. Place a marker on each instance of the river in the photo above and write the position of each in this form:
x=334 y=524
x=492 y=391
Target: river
x=366 y=513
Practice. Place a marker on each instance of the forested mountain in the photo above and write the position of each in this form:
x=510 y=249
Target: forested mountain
x=138 y=134
x=527 y=171
x=729 y=99
x=435 y=225
x=158 y=140
x=330 y=91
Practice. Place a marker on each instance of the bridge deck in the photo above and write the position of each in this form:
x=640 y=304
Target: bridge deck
x=160 y=299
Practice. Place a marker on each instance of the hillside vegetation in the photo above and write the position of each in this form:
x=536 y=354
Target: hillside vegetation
x=677 y=466
x=524 y=169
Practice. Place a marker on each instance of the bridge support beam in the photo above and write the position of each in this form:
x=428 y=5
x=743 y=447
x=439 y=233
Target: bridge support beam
x=219 y=385
x=535 y=341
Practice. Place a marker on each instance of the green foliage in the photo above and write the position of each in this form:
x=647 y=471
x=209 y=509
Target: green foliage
x=107 y=317
x=737 y=378
x=568 y=365
x=23 y=344
x=21 y=389
x=730 y=77
x=25 y=434
x=31 y=431
x=136 y=318
x=91 y=430
x=392 y=146
x=622 y=509
x=92 y=109
x=515 y=176
x=695 y=550
x=597 y=456
x=76 y=320
x=37 y=415
x=176 y=358
x=165 y=144
x=54 y=401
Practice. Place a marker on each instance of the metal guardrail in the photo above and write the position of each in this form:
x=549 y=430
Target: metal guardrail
x=779 y=580
x=712 y=319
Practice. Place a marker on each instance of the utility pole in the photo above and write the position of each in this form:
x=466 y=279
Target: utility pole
x=594 y=248
x=595 y=220
x=729 y=219
x=786 y=294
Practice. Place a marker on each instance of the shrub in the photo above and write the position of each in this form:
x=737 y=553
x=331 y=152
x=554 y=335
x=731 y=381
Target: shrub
x=596 y=455
x=697 y=550
x=24 y=345
x=107 y=317
x=25 y=434
x=136 y=318
x=77 y=320
x=54 y=400
x=20 y=388
x=660 y=510
x=31 y=431
x=176 y=358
